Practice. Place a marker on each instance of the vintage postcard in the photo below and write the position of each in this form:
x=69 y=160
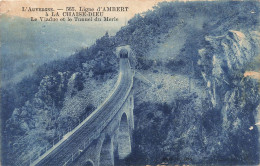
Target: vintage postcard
x=129 y=83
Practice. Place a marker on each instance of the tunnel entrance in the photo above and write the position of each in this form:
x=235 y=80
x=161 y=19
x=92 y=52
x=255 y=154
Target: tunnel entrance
x=124 y=142
x=123 y=53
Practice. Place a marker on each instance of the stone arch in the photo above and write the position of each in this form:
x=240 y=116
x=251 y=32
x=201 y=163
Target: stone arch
x=106 y=157
x=124 y=141
x=89 y=163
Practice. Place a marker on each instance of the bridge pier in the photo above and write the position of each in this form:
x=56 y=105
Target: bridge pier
x=106 y=157
x=131 y=114
x=124 y=140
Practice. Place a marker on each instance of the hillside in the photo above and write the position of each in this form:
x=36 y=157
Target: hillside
x=197 y=107
x=25 y=45
x=200 y=108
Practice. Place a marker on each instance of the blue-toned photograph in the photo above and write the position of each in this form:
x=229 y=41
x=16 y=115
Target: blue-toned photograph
x=142 y=83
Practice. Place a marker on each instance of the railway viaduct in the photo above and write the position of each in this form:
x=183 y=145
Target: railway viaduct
x=105 y=134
